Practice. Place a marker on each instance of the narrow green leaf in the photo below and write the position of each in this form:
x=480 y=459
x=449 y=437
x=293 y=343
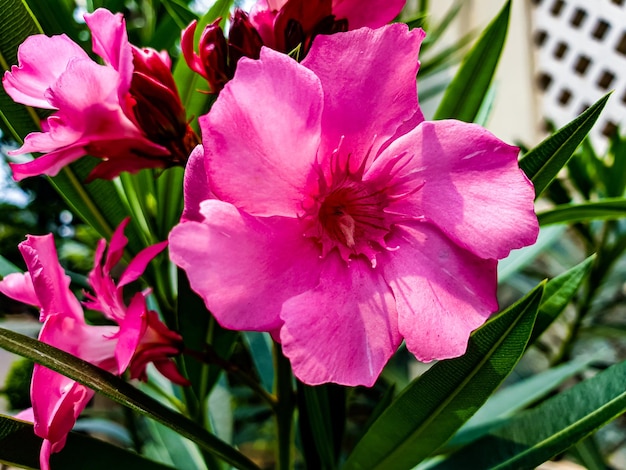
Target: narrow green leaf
x=19 y=446
x=532 y=437
x=465 y=94
x=435 y=32
x=322 y=421
x=121 y=392
x=616 y=174
x=557 y=294
x=589 y=454
x=514 y=398
x=544 y=162
x=613 y=208
x=199 y=328
x=260 y=347
x=57 y=20
x=16 y=24
x=434 y=406
x=6 y=267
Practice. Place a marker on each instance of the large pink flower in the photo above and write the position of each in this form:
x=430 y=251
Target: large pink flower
x=139 y=339
x=341 y=221
x=126 y=111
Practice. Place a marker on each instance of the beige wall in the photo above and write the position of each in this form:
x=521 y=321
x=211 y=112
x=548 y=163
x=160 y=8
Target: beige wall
x=515 y=116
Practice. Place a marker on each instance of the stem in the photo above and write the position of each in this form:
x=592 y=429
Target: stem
x=283 y=385
x=210 y=357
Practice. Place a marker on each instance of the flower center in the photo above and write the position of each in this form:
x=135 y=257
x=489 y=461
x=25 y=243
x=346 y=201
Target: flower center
x=352 y=214
x=347 y=211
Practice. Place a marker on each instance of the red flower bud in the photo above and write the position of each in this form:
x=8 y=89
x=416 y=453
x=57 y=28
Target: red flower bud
x=211 y=61
x=243 y=39
x=156 y=107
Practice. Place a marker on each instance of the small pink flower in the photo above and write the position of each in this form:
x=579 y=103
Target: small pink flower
x=341 y=221
x=139 y=339
x=107 y=111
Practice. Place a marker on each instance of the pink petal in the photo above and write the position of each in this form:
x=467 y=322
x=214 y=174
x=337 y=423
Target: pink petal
x=50 y=283
x=91 y=343
x=110 y=41
x=42 y=60
x=132 y=329
x=116 y=248
x=371 y=13
x=473 y=188
x=58 y=400
x=343 y=331
x=368 y=77
x=57 y=403
x=26 y=415
x=442 y=291
x=139 y=263
x=262 y=17
x=196 y=185
x=19 y=286
x=85 y=89
x=262 y=134
x=244 y=267
x=49 y=164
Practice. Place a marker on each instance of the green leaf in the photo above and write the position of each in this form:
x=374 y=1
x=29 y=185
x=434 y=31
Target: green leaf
x=557 y=294
x=465 y=94
x=588 y=453
x=121 y=392
x=260 y=347
x=19 y=446
x=16 y=23
x=56 y=20
x=199 y=328
x=435 y=32
x=610 y=208
x=615 y=176
x=537 y=435
x=434 y=406
x=322 y=420
x=515 y=398
x=544 y=162
x=6 y=267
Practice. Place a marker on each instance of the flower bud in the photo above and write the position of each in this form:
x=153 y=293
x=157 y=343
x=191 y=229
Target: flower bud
x=243 y=39
x=156 y=107
x=211 y=61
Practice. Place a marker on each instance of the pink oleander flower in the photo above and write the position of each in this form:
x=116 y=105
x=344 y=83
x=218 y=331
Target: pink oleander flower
x=138 y=338
x=338 y=219
x=126 y=112
x=283 y=25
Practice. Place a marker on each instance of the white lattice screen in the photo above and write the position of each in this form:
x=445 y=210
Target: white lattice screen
x=581 y=56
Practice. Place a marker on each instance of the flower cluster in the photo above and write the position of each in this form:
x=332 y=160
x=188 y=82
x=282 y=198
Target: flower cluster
x=321 y=206
x=137 y=337
x=126 y=111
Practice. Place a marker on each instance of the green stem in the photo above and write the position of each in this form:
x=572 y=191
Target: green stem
x=423 y=7
x=211 y=357
x=283 y=386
